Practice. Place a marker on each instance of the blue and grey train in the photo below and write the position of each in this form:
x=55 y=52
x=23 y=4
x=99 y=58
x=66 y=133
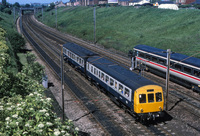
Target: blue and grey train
x=140 y=96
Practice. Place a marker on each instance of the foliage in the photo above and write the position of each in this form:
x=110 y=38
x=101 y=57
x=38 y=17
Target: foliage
x=8 y=11
x=24 y=109
x=197 y=6
x=33 y=70
x=122 y=28
x=31 y=116
x=27 y=5
x=17 y=41
x=52 y=5
x=16 y=4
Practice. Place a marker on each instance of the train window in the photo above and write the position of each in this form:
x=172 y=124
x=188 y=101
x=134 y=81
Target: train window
x=142 y=98
x=197 y=73
x=158 y=97
x=73 y=56
x=148 y=57
x=88 y=68
x=77 y=59
x=111 y=82
x=178 y=67
x=91 y=69
x=151 y=97
x=127 y=92
x=187 y=70
x=107 y=79
x=141 y=54
x=102 y=76
x=154 y=59
x=116 y=85
x=99 y=74
x=121 y=88
x=95 y=71
x=162 y=61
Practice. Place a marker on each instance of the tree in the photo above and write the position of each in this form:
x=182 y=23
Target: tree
x=16 y=4
x=17 y=41
x=52 y=5
x=27 y=5
x=4 y=2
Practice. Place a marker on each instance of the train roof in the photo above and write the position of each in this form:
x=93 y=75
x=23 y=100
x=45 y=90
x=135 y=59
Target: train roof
x=79 y=50
x=175 y=56
x=125 y=76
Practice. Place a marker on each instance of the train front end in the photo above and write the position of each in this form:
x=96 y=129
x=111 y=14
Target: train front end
x=149 y=102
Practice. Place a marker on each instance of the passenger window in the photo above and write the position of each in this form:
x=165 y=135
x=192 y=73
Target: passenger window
x=95 y=71
x=187 y=70
x=111 y=82
x=150 y=98
x=121 y=88
x=127 y=92
x=154 y=59
x=161 y=61
x=107 y=79
x=178 y=67
x=115 y=85
x=91 y=69
x=158 y=97
x=142 y=98
x=99 y=74
x=102 y=76
x=148 y=57
x=141 y=55
x=197 y=73
x=88 y=66
x=77 y=59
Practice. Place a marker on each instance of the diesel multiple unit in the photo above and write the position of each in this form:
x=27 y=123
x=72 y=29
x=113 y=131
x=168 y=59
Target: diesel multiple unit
x=138 y=95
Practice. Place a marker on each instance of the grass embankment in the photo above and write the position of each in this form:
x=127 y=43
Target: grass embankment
x=124 y=27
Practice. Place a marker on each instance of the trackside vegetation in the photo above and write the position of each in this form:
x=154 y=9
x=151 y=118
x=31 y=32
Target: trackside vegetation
x=122 y=28
x=24 y=108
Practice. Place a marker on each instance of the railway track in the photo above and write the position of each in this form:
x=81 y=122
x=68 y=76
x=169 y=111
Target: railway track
x=63 y=38
x=129 y=129
x=94 y=107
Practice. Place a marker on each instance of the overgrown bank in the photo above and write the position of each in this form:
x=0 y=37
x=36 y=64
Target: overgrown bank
x=24 y=109
x=124 y=27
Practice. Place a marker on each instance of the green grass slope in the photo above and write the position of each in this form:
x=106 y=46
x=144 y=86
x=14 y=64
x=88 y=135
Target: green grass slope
x=122 y=28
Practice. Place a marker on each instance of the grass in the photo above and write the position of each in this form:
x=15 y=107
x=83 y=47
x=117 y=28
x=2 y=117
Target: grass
x=122 y=28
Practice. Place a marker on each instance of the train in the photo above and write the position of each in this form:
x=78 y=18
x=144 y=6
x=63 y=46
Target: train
x=184 y=70
x=139 y=96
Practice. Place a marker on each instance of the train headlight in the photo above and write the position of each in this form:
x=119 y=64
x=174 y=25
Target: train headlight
x=141 y=110
x=160 y=108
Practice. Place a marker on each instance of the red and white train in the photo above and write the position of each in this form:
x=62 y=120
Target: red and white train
x=184 y=70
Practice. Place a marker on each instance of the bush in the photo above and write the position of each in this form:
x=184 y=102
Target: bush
x=8 y=11
x=31 y=116
x=16 y=40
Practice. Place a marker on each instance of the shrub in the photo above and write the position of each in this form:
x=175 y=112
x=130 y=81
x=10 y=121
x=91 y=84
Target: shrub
x=16 y=40
x=31 y=116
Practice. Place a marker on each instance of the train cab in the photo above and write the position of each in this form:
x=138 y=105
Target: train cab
x=148 y=102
